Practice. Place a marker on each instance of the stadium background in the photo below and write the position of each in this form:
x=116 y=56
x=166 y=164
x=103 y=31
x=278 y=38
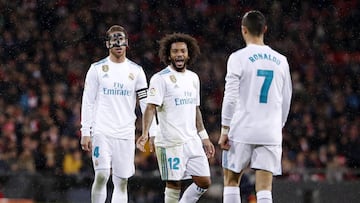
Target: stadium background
x=46 y=48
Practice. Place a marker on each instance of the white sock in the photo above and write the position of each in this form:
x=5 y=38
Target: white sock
x=231 y=194
x=98 y=189
x=192 y=194
x=120 y=193
x=171 y=195
x=264 y=196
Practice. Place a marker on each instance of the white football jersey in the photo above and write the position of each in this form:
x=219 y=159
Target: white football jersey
x=109 y=98
x=257 y=95
x=177 y=95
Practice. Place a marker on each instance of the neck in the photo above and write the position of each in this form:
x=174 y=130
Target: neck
x=255 y=40
x=117 y=59
x=180 y=70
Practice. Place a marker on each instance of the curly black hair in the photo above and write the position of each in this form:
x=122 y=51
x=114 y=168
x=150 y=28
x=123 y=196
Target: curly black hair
x=166 y=42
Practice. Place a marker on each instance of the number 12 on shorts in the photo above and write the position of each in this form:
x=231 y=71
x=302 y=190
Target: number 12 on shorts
x=174 y=163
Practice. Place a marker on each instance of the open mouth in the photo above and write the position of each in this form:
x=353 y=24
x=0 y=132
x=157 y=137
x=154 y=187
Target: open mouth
x=179 y=62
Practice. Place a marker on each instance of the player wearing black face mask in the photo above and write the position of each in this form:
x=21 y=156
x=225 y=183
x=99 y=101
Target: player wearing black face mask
x=113 y=85
x=117 y=39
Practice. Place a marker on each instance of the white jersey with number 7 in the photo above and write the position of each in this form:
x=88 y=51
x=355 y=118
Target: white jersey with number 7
x=257 y=95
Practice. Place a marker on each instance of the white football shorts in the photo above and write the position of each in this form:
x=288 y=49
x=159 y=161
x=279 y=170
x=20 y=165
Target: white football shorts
x=264 y=157
x=183 y=161
x=118 y=154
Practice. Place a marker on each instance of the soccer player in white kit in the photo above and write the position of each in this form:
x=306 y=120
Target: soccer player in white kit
x=112 y=86
x=182 y=146
x=255 y=107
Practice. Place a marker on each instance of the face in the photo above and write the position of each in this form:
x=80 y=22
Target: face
x=179 y=55
x=117 y=44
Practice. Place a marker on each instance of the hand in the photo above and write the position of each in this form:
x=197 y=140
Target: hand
x=151 y=144
x=209 y=148
x=224 y=142
x=141 y=141
x=85 y=143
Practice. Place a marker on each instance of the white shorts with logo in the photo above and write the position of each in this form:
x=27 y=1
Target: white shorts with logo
x=118 y=154
x=182 y=162
x=264 y=157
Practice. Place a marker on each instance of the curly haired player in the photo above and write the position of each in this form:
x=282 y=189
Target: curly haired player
x=182 y=146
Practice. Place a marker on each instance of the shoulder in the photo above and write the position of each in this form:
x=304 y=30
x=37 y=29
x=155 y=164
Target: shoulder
x=100 y=62
x=238 y=53
x=165 y=71
x=191 y=73
x=162 y=73
x=279 y=55
x=133 y=65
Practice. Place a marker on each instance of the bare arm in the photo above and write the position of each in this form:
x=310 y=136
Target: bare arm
x=147 y=120
x=208 y=146
x=223 y=139
x=199 y=120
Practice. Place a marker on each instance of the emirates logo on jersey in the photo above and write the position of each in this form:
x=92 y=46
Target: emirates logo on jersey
x=131 y=76
x=105 y=68
x=173 y=78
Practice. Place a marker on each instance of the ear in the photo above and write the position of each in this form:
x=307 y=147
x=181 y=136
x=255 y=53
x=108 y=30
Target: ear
x=244 y=30
x=265 y=29
x=107 y=44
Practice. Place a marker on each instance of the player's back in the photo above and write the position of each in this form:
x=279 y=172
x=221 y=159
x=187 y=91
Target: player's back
x=259 y=76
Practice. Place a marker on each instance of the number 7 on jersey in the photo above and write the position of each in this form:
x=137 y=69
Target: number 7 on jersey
x=268 y=74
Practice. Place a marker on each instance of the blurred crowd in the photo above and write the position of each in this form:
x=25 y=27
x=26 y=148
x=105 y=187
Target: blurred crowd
x=46 y=47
